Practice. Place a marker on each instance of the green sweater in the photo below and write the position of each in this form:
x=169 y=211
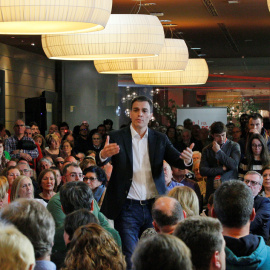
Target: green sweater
x=54 y=207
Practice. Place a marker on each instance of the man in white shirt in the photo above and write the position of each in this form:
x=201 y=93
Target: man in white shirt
x=137 y=155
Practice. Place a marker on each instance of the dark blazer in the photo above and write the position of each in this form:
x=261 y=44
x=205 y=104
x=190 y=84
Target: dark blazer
x=261 y=224
x=160 y=148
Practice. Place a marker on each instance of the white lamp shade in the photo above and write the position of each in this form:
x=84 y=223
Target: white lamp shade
x=195 y=73
x=125 y=36
x=37 y=17
x=173 y=56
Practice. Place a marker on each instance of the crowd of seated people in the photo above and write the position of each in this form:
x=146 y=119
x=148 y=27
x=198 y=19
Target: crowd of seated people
x=53 y=187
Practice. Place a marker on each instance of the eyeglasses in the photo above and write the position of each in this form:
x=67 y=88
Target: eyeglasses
x=59 y=162
x=26 y=170
x=252 y=183
x=256 y=145
x=74 y=175
x=89 y=178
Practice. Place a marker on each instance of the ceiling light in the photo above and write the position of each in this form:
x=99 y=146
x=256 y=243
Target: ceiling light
x=195 y=48
x=165 y=21
x=33 y=44
x=125 y=36
x=158 y=14
x=37 y=17
x=173 y=56
x=195 y=73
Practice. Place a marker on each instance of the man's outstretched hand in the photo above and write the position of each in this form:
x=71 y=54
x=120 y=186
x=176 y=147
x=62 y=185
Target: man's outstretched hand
x=109 y=149
x=186 y=155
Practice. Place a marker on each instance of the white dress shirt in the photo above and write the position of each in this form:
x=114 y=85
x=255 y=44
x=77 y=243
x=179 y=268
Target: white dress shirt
x=142 y=186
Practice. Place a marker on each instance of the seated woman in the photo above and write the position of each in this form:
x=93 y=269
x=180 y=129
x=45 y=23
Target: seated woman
x=88 y=162
x=23 y=188
x=266 y=181
x=92 y=247
x=198 y=178
x=187 y=198
x=53 y=150
x=96 y=179
x=47 y=185
x=38 y=138
x=67 y=147
x=3 y=191
x=257 y=156
x=11 y=173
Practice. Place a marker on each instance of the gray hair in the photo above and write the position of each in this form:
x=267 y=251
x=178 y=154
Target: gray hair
x=34 y=221
x=255 y=173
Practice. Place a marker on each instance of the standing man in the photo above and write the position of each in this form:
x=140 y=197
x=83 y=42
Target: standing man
x=12 y=142
x=220 y=159
x=137 y=155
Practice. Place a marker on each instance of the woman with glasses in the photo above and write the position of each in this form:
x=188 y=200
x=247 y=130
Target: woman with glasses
x=96 y=179
x=256 y=157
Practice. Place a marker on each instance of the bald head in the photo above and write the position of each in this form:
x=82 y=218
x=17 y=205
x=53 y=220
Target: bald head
x=166 y=213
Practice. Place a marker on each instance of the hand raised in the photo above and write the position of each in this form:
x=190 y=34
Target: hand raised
x=109 y=149
x=186 y=155
x=215 y=146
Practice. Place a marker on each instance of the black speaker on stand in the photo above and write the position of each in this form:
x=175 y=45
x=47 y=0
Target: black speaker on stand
x=35 y=110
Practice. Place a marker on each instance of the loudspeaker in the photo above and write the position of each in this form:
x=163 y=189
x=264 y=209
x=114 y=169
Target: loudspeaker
x=35 y=110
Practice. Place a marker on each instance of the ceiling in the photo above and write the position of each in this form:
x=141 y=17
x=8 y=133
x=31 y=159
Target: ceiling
x=234 y=38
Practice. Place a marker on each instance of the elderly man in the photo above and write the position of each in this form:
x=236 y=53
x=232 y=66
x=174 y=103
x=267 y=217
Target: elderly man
x=203 y=236
x=33 y=220
x=166 y=213
x=11 y=143
x=233 y=206
x=170 y=183
x=261 y=223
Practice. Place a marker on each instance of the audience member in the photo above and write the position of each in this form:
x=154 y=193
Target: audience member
x=36 y=223
x=3 y=159
x=261 y=223
x=17 y=252
x=67 y=148
x=220 y=159
x=47 y=185
x=53 y=149
x=257 y=156
x=11 y=143
x=187 y=199
x=233 y=206
x=96 y=179
x=72 y=222
x=3 y=191
x=170 y=184
x=203 y=236
x=82 y=143
x=53 y=128
x=196 y=156
x=108 y=123
x=64 y=129
x=35 y=129
x=97 y=143
x=44 y=164
x=236 y=134
x=166 y=213
x=266 y=181
x=160 y=252
x=92 y=247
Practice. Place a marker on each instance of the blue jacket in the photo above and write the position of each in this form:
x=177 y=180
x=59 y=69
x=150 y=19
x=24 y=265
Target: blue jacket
x=261 y=224
x=258 y=259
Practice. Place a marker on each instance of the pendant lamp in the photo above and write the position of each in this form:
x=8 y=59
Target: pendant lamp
x=195 y=73
x=35 y=17
x=173 y=56
x=125 y=36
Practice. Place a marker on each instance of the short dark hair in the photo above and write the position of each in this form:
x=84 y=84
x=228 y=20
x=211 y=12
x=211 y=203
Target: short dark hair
x=78 y=218
x=196 y=230
x=2 y=127
x=255 y=116
x=75 y=195
x=101 y=125
x=233 y=204
x=171 y=217
x=142 y=99
x=108 y=122
x=161 y=251
x=218 y=128
x=63 y=124
x=72 y=164
x=33 y=124
x=101 y=175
